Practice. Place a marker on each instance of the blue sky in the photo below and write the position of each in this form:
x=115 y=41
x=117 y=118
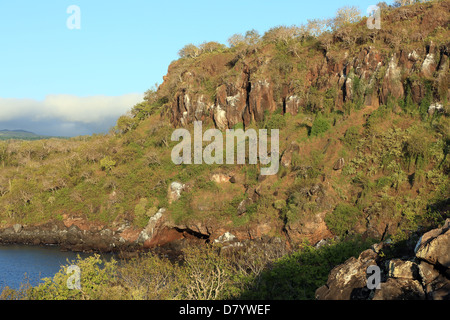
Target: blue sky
x=122 y=49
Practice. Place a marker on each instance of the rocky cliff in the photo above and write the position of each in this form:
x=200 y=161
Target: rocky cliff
x=405 y=65
x=352 y=65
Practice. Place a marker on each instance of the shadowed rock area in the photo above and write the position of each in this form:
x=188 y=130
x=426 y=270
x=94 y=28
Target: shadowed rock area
x=424 y=275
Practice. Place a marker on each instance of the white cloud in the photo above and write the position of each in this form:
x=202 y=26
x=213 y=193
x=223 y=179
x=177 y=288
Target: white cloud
x=11 y=109
x=88 y=109
x=70 y=110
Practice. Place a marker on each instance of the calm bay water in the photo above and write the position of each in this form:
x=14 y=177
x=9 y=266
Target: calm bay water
x=32 y=262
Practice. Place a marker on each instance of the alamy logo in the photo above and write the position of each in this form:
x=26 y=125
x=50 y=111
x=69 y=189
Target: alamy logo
x=73 y=21
x=374 y=280
x=374 y=19
x=213 y=153
x=74 y=281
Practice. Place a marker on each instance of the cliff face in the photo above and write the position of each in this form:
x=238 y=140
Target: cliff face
x=237 y=101
x=405 y=65
x=402 y=60
x=245 y=100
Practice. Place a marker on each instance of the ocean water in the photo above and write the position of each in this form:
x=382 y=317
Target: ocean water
x=20 y=264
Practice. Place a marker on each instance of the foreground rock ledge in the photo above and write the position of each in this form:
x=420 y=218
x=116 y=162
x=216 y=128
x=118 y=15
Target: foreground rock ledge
x=425 y=275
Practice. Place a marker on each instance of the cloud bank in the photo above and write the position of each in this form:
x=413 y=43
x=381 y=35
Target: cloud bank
x=65 y=115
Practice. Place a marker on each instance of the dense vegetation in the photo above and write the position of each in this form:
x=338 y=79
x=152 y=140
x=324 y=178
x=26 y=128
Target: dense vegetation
x=263 y=270
x=393 y=183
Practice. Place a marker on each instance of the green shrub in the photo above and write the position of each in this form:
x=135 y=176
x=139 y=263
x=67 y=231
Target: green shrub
x=319 y=126
x=383 y=181
x=329 y=100
x=150 y=277
x=181 y=210
x=275 y=121
x=96 y=276
x=342 y=220
x=351 y=137
x=358 y=92
x=427 y=100
x=239 y=125
x=315 y=100
x=143 y=211
x=107 y=163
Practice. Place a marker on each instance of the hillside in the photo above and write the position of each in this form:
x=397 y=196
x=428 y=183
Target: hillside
x=20 y=135
x=363 y=118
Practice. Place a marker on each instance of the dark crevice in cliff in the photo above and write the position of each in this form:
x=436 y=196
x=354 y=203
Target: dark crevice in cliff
x=194 y=234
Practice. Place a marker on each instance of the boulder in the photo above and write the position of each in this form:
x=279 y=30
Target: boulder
x=436 y=107
x=402 y=269
x=438 y=289
x=175 y=190
x=220 y=178
x=149 y=230
x=427 y=272
x=242 y=208
x=220 y=117
x=293 y=104
x=348 y=279
x=286 y=158
x=339 y=164
x=433 y=247
x=311 y=228
x=400 y=289
x=226 y=237
x=17 y=228
x=422 y=275
x=413 y=56
x=260 y=99
x=392 y=82
x=429 y=65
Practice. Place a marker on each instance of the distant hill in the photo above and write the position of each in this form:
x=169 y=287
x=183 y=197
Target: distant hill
x=21 y=135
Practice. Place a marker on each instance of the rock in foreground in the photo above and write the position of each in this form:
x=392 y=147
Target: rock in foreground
x=425 y=275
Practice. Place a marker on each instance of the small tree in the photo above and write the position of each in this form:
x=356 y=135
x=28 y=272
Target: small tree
x=345 y=16
x=236 y=40
x=206 y=275
x=208 y=47
x=151 y=95
x=316 y=27
x=401 y=3
x=252 y=37
x=189 y=51
x=125 y=123
x=282 y=34
x=107 y=163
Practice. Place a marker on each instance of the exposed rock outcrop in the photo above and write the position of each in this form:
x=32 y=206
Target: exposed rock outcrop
x=249 y=91
x=423 y=275
x=339 y=164
x=175 y=190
